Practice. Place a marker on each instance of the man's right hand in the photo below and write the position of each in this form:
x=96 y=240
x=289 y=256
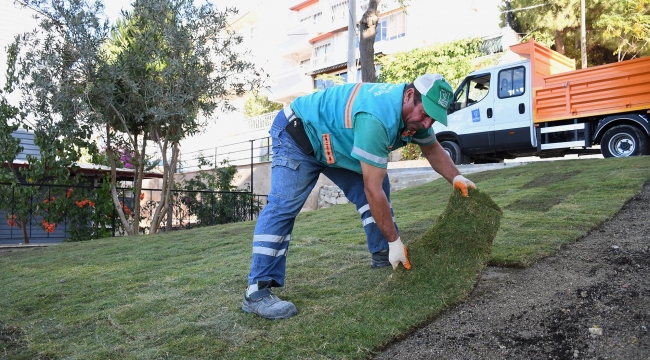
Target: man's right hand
x=397 y=253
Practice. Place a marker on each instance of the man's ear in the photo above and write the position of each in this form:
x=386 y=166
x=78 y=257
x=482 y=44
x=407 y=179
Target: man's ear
x=408 y=95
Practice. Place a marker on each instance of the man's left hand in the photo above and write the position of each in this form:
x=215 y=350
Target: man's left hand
x=397 y=254
x=461 y=183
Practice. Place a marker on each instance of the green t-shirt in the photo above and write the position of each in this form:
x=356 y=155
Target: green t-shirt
x=350 y=123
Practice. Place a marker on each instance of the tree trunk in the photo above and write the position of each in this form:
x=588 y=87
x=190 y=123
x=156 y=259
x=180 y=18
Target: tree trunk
x=115 y=197
x=138 y=173
x=167 y=185
x=559 y=43
x=23 y=229
x=368 y=28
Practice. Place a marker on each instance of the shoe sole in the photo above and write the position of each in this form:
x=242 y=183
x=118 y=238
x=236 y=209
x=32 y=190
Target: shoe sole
x=247 y=309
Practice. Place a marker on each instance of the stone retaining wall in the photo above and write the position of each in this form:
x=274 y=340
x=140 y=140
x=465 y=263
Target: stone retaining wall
x=330 y=195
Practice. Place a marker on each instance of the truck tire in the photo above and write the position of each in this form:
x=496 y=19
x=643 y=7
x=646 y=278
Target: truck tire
x=624 y=141
x=453 y=150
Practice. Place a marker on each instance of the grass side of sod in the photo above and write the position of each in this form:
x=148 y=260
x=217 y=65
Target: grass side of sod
x=178 y=295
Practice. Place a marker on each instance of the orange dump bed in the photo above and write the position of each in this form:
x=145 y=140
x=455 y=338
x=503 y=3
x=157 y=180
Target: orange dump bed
x=560 y=92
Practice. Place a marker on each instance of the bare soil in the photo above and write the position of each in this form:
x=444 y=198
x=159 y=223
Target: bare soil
x=591 y=300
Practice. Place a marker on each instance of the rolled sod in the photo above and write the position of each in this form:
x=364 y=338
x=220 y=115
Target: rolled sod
x=467 y=226
x=457 y=246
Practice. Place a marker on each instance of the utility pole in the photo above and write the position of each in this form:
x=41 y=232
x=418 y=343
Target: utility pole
x=509 y=20
x=352 y=41
x=583 y=34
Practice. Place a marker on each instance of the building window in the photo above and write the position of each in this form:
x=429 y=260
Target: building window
x=313 y=18
x=340 y=12
x=334 y=79
x=320 y=55
x=391 y=27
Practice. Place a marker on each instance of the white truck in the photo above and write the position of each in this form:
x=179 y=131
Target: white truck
x=541 y=106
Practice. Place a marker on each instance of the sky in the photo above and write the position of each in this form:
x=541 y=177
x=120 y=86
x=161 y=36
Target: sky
x=15 y=20
x=112 y=8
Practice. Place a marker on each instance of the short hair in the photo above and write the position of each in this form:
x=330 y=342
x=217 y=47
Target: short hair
x=417 y=96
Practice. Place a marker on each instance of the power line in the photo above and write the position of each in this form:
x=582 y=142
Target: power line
x=24 y=4
x=526 y=8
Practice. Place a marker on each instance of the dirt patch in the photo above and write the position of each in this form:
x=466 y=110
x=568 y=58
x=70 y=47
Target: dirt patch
x=589 y=301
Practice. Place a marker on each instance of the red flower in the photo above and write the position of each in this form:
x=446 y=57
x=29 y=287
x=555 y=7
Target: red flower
x=12 y=220
x=85 y=202
x=142 y=196
x=125 y=209
x=69 y=193
x=49 y=227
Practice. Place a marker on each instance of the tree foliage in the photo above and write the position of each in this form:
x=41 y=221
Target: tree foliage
x=626 y=27
x=258 y=104
x=155 y=76
x=549 y=20
x=453 y=60
x=616 y=29
x=22 y=185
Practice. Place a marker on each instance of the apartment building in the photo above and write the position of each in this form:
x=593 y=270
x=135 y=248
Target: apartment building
x=317 y=36
x=295 y=41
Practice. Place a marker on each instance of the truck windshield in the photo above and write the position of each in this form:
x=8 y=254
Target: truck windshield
x=473 y=90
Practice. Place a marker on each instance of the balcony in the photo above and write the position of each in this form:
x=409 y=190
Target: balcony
x=290 y=85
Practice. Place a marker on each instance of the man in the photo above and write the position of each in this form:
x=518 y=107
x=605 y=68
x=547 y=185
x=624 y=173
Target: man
x=345 y=132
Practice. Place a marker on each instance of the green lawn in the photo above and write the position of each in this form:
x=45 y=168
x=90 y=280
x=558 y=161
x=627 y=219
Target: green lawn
x=179 y=295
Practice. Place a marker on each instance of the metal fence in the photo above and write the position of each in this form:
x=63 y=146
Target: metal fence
x=241 y=153
x=88 y=211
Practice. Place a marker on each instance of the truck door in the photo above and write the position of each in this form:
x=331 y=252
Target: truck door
x=471 y=118
x=512 y=109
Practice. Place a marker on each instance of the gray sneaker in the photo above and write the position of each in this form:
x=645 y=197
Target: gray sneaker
x=267 y=305
x=379 y=259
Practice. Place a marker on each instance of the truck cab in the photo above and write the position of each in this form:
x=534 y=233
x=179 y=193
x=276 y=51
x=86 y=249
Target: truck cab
x=491 y=115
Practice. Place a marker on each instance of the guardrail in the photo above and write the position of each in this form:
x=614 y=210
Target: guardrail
x=241 y=153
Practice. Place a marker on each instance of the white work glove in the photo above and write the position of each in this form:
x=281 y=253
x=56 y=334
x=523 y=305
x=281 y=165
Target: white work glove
x=462 y=184
x=397 y=253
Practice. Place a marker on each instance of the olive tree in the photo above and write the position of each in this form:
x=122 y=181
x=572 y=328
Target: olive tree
x=22 y=194
x=156 y=76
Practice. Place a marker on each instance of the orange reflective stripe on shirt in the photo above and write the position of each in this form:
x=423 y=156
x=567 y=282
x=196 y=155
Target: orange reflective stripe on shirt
x=327 y=146
x=348 y=106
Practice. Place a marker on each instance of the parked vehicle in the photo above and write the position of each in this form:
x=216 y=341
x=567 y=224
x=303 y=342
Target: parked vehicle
x=542 y=106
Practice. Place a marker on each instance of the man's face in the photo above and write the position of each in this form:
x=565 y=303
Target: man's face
x=413 y=115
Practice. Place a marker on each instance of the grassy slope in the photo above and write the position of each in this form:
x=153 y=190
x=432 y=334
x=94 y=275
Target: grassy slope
x=178 y=295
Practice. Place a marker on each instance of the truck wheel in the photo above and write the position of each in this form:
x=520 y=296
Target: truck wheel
x=623 y=141
x=453 y=150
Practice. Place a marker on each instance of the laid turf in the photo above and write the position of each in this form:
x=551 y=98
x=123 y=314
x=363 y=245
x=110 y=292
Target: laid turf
x=178 y=295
